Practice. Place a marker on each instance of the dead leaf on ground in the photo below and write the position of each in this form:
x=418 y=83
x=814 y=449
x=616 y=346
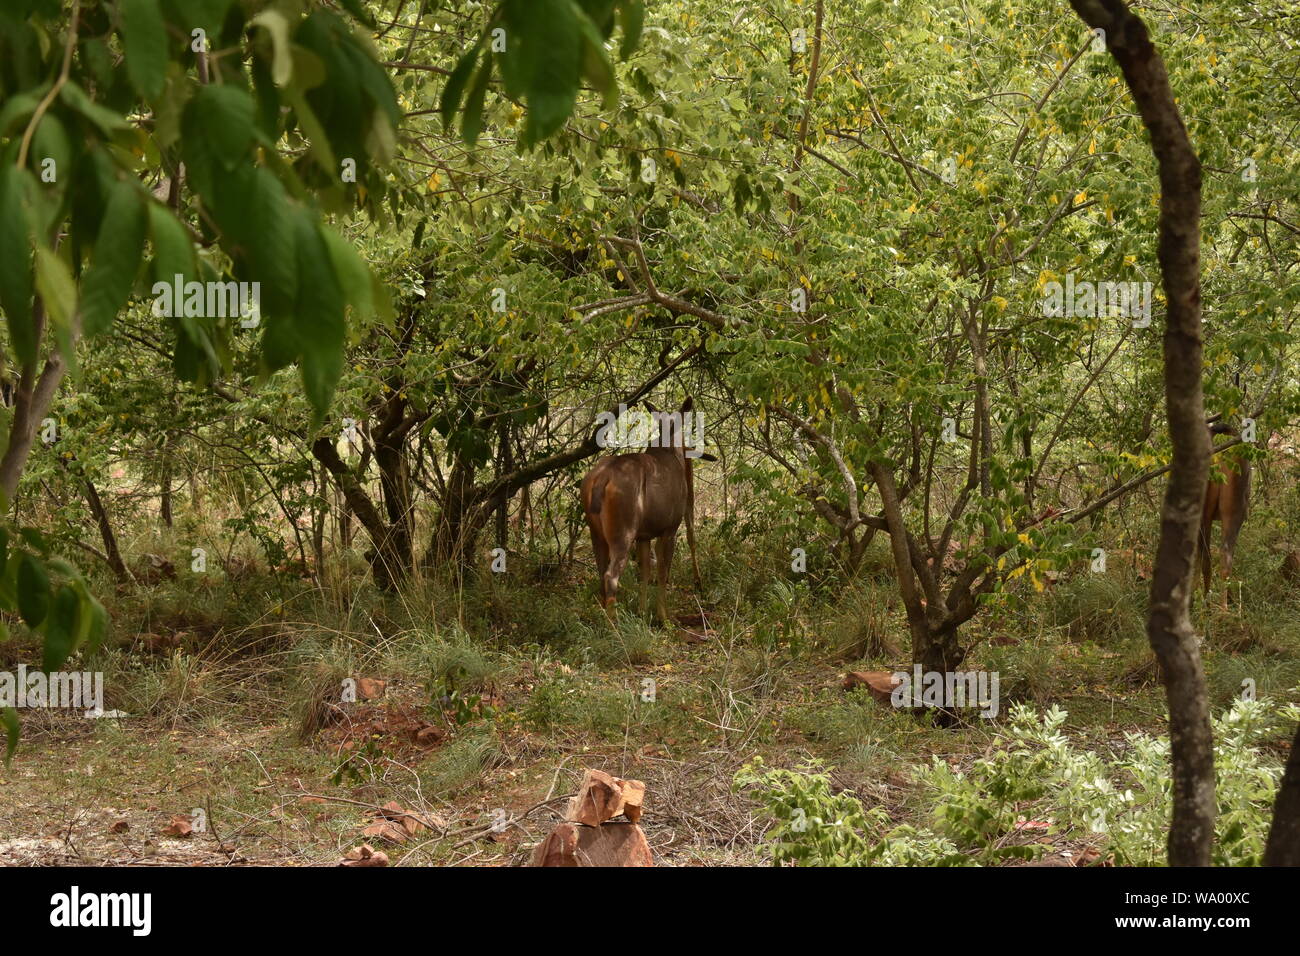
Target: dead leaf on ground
x=412 y=824
x=181 y=826
x=387 y=830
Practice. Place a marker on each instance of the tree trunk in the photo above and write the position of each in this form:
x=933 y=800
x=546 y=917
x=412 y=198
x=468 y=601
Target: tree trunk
x=165 y=482
x=1283 y=848
x=319 y=512
x=386 y=565
x=395 y=484
x=505 y=465
x=459 y=520
x=934 y=647
x=344 y=511
x=111 y=552
x=32 y=399
x=1169 y=626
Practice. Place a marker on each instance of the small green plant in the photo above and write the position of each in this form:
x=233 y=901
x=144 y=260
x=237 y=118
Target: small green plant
x=1034 y=772
x=817 y=827
x=463 y=706
x=359 y=768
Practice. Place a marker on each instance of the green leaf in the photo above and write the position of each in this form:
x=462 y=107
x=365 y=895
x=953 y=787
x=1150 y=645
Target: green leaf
x=454 y=91
x=310 y=124
x=631 y=15
x=118 y=252
x=55 y=285
x=51 y=142
x=108 y=121
x=352 y=272
x=61 y=628
x=144 y=37
x=267 y=234
x=225 y=115
x=471 y=120
x=94 y=623
x=18 y=109
x=320 y=328
x=552 y=30
x=277 y=26
x=15 y=265
x=36 y=541
x=33 y=589
x=173 y=252
x=383 y=301
x=9 y=718
x=595 y=61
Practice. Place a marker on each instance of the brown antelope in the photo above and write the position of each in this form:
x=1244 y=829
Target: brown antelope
x=639 y=498
x=1227 y=502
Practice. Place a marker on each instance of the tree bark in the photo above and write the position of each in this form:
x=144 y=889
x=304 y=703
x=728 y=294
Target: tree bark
x=1169 y=626
x=1283 y=847
x=111 y=552
x=32 y=399
x=390 y=458
x=165 y=479
x=385 y=563
x=460 y=519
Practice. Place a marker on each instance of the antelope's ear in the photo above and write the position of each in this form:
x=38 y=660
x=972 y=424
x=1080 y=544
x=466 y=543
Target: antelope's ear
x=688 y=404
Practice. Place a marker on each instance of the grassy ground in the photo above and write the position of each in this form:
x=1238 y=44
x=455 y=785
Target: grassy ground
x=499 y=693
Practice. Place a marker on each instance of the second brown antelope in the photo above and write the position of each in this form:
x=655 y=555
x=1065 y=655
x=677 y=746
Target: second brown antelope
x=1227 y=502
x=637 y=499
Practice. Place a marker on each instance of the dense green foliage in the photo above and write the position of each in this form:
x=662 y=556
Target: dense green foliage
x=474 y=226
x=1034 y=783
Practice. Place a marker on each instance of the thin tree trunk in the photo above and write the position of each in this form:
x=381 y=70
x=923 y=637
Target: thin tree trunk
x=934 y=649
x=32 y=400
x=385 y=565
x=319 y=511
x=165 y=492
x=165 y=482
x=111 y=553
x=505 y=465
x=394 y=484
x=1283 y=847
x=1169 y=626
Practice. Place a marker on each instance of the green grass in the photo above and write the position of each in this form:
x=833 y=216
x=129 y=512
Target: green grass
x=544 y=685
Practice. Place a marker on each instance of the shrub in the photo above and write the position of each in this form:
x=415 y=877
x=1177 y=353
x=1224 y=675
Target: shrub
x=1034 y=771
